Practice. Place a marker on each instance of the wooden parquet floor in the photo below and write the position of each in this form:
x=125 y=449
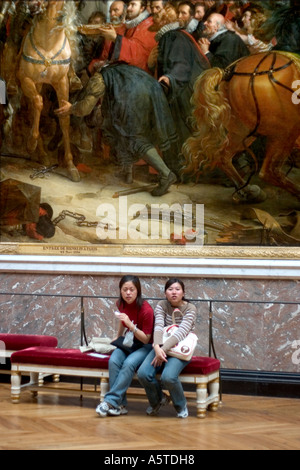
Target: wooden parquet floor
x=53 y=422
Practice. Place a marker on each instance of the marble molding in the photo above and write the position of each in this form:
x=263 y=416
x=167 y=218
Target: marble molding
x=247 y=336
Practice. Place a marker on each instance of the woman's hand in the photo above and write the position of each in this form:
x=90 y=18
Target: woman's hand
x=126 y=321
x=160 y=357
x=139 y=334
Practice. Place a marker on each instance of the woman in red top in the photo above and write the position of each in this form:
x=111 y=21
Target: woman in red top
x=136 y=316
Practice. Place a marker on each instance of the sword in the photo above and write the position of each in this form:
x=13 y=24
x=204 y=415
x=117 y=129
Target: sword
x=140 y=189
x=42 y=172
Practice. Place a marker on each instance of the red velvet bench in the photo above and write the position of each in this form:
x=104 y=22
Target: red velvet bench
x=204 y=372
x=10 y=343
x=14 y=342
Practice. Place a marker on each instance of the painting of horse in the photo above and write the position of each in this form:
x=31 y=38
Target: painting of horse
x=232 y=107
x=46 y=59
x=240 y=161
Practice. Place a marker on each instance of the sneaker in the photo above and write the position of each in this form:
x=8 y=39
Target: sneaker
x=105 y=409
x=102 y=409
x=124 y=410
x=183 y=414
x=114 y=411
x=120 y=411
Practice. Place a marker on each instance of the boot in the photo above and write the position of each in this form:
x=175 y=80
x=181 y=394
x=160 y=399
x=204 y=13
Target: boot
x=167 y=178
x=127 y=174
x=164 y=185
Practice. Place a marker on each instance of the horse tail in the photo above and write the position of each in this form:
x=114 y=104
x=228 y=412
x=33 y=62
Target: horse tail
x=210 y=120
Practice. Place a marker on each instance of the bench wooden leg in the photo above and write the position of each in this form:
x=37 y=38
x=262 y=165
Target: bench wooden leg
x=201 y=400
x=36 y=379
x=104 y=386
x=55 y=378
x=214 y=392
x=15 y=386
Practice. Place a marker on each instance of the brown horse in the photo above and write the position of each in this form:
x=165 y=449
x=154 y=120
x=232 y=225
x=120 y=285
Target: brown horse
x=252 y=97
x=45 y=59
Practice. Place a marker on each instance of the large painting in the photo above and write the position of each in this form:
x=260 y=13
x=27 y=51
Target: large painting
x=150 y=128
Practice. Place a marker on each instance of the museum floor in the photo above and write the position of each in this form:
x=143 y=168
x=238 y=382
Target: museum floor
x=65 y=423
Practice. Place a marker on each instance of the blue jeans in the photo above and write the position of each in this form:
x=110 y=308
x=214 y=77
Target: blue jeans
x=121 y=372
x=169 y=381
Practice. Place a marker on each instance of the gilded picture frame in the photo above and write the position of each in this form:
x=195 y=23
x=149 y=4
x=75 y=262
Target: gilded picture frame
x=210 y=222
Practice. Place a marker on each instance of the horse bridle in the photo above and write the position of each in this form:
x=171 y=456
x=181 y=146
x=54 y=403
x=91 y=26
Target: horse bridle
x=44 y=60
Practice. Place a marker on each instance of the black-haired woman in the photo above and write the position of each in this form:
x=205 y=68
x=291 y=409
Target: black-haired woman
x=136 y=315
x=158 y=360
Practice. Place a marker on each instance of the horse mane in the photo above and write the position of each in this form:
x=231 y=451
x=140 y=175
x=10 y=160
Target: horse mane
x=210 y=120
x=70 y=24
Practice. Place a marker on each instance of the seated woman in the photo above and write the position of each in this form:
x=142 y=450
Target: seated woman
x=158 y=360
x=136 y=316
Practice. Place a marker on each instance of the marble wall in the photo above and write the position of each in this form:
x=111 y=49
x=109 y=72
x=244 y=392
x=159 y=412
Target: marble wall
x=247 y=336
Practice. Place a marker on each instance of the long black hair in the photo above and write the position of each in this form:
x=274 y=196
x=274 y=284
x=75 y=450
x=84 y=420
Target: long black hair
x=137 y=284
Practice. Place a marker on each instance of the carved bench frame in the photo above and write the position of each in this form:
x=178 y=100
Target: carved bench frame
x=207 y=386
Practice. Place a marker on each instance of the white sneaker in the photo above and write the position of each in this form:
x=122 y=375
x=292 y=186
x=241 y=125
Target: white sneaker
x=124 y=410
x=183 y=414
x=103 y=409
x=120 y=411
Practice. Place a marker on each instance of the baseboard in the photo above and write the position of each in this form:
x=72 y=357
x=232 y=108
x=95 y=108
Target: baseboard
x=260 y=383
